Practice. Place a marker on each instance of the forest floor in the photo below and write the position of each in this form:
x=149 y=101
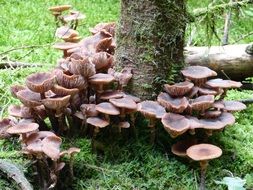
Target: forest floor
x=135 y=164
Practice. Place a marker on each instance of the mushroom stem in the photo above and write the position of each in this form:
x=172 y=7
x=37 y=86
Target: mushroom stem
x=152 y=123
x=95 y=132
x=71 y=163
x=223 y=95
x=203 y=167
x=132 y=119
x=41 y=122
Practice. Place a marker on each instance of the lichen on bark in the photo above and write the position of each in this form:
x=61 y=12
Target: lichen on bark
x=150 y=39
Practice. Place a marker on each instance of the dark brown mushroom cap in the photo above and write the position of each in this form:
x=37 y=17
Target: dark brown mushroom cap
x=22 y=128
x=175 y=124
x=202 y=152
x=70 y=81
x=101 y=78
x=198 y=72
x=89 y=110
x=59 y=8
x=51 y=147
x=29 y=98
x=176 y=105
x=220 y=83
x=232 y=106
x=180 y=147
x=97 y=122
x=82 y=66
x=110 y=94
x=178 y=89
x=202 y=102
x=65 y=32
x=56 y=103
x=126 y=103
x=19 y=111
x=151 y=109
x=107 y=108
x=40 y=82
x=61 y=91
x=124 y=124
x=4 y=126
x=15 y=88
x=65 y=45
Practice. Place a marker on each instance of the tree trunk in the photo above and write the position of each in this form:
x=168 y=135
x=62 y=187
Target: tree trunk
x=228 y=61
x=150 y=39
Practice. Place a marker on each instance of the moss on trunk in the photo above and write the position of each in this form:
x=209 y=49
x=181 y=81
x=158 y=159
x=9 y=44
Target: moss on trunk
x=150 y=39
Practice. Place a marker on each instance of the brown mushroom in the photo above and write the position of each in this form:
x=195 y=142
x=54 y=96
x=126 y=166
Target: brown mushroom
x=203 y=153
x=180 y=147
x=109 y=27
x=65 y=32
x=123 y=104
x=176 y=105
x=15 y=88
x=99 y=80
x=111 y=94
x=178 y=89
x=107 y=108
x=59 y=8
x=51 y=147
x=64 y=46
x=29 y=98
x=202 y=103
x=19 y=111
x=4 y=126
x=102 y=61
x=233 y=106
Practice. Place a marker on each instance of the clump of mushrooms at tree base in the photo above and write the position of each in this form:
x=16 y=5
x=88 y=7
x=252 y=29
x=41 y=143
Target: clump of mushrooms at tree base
x=84 y=94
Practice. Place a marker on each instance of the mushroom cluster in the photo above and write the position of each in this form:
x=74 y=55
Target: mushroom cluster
x=194 y=106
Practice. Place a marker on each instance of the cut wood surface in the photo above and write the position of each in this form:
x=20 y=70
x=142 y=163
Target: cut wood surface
x=230 y=59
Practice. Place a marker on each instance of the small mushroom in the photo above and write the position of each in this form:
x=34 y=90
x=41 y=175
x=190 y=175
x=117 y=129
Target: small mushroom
x=202 y=103
x=14 y=89
x=233 y=106
x=5 y=124
x=59 y=8
x=65 y=46
x=29 y=98
x=178 y=89
x=107 y=108
x=99 y=80
x=65 y=32
x=180 y=147
x=198 y=74
x=51 y=147
x=110 y=94
x=203 y=153
x=19 y=111
x=102 y=61
x=109 y=27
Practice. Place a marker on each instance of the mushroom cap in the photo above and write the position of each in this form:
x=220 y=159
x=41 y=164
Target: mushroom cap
x=61 y=91
x=134 y=98
x=227 y=118
x=38 y=135
x=107 y=108
x=59 y=8
x=102 y=60
x=202 y=102
x=22 y=128
x=212 y=114
x=35 y=147
x=65 y=32
x=70 y=151
x=97 y=122
x=40 y=82
x=56 y=103
x=198 y=72
x=151 y=109
x=19 y=111
x=89 y=110
x=29 y=98
x=203 y=152
x=220 y=83
x=232 y=106
x=4 y=126
x=101 y=78
x=65 y=45
x=110 y=94
x=175 y=124
x=124 y=124
x=180 y=147
x=206 y=91
x=74 y=17
x=176 y=105
x=124 y=103
x=178 y=89
x=15 y=88
x=109 y=27
x=104 y=45
x=51 y=146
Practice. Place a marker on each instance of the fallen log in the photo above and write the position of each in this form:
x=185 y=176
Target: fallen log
x=228 y=61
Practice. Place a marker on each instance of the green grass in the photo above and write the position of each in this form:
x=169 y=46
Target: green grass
x=127 y=165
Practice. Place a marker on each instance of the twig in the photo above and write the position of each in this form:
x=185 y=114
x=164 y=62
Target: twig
x=203 y=11
x=242 y=37
x=25 y=47
x=227 y=26
x=13 y=64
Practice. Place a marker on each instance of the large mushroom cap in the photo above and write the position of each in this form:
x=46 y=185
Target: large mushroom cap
x=202 y=102
x=15 y=88
x=65 y=32
x=19 y=111
x=29 y=98
x=101 y=78
x=178 y=89
x=65 y=45
x=180 y=147
x=175 y=124
x=232 y=106
x=56 y=103
x=124 y=103
x=151 y=109
x=51 y=147
x=176 y=105
x=107 y=108
x=61 y=91
x=203 y=152
x=22 y=128
x=226 y=118
x=106 y=95
x=40 y=82
x=198 y=72
x=59 y=8
x=97 y=122
x=220 y=83
x=38 y=135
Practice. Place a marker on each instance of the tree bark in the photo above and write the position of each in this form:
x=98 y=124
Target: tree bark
x=228 y=61
x=150 y=40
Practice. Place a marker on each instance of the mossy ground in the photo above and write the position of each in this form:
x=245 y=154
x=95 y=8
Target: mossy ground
x=130 y=164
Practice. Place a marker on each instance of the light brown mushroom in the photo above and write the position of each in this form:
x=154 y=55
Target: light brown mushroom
x=178 y=89
x=203 y=153
x=51 y=147
x=59 y=8
x=5 y=124
x=123 y=104
x=64 y=46
x=19 y=111
x=99 y=80
x=29 y=98
x=107 y=108
x=202 y=103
